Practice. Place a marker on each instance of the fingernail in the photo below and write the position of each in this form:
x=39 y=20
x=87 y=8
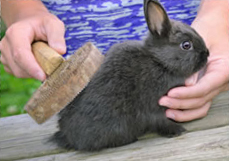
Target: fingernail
x=190 y=81
x=40 y=76
x=165 y=103
x=170 y=115
x=59 y=47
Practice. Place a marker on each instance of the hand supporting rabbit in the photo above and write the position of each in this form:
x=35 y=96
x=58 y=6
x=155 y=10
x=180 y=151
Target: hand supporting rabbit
x=120 y=103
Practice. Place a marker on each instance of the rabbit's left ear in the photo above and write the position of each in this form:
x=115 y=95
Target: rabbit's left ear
x=156 y=18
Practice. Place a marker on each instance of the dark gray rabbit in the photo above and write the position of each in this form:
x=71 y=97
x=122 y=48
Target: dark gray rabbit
x=121 y=101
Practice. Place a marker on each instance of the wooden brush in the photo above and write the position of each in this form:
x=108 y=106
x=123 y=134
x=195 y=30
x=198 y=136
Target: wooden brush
x=66 y=78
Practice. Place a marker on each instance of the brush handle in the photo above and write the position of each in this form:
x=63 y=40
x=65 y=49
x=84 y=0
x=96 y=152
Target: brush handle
x=47 y=58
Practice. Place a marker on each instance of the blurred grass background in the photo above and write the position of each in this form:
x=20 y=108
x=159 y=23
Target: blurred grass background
x=14 y=92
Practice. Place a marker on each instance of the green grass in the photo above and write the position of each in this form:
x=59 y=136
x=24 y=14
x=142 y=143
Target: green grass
x=14 y=92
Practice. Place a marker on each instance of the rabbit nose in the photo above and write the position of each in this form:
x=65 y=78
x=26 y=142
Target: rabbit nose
x=206 y=53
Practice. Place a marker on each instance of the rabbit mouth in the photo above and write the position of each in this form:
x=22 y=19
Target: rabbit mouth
x=204 y=56
x=202 y=60
x=202 y=72
x=206 y=53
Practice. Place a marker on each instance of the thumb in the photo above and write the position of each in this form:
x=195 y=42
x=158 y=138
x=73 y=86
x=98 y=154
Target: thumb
x=192 y=80
x=55 y=36
x=196 y=77
x=57 y=44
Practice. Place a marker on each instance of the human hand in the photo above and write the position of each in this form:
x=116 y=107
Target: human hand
x=194 y=99
x=16 y=54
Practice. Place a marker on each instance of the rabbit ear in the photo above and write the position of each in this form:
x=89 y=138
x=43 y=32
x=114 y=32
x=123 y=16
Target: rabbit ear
x=156 y=18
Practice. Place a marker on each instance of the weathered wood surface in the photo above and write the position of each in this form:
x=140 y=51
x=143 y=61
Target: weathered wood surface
x=201 y=145
x=207 y=139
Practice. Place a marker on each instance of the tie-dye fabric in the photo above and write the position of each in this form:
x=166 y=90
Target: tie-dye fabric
x=105 y=22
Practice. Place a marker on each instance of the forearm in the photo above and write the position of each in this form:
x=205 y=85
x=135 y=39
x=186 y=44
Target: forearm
x=212 y=22
x=16 y=10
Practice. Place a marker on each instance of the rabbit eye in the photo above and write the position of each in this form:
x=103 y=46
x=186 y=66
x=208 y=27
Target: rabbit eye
x=186 y=45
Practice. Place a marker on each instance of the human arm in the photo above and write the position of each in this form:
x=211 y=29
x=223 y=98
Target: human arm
x=27 y=21
x=194 y=100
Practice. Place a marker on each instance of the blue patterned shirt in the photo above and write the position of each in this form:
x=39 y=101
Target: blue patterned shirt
x=106 y=22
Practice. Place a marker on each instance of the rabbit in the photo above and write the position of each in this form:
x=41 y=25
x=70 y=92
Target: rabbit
x=120 y=103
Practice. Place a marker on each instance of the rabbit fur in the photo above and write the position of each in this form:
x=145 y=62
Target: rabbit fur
x=120 y=102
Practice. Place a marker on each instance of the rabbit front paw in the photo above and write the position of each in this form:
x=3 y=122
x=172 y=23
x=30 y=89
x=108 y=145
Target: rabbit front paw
x=171 y=130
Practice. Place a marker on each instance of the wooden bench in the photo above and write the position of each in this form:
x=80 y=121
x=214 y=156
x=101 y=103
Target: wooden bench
x=207 y=139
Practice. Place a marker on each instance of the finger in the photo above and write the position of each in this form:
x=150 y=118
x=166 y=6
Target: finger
x=226 y=86
x=9 y=64
x=2 y=59
x=22 y=61
x=8 y=70
x=18 y=74
x=55 y=35
x=178 y=104
x=18 y=53
x=203 y=87
x=17 y=71
x=191 y=103
x=192 y=80
x=26 y=61
x=195 y=77
x=11 y=67
x=188 y=115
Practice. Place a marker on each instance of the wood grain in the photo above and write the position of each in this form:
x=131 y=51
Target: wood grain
x=22 y=138
x=205 y=145
x=47 y=58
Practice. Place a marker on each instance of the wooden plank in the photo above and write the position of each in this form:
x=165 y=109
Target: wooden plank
x=22 y=138
x=218 y=115
x=209 y=145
